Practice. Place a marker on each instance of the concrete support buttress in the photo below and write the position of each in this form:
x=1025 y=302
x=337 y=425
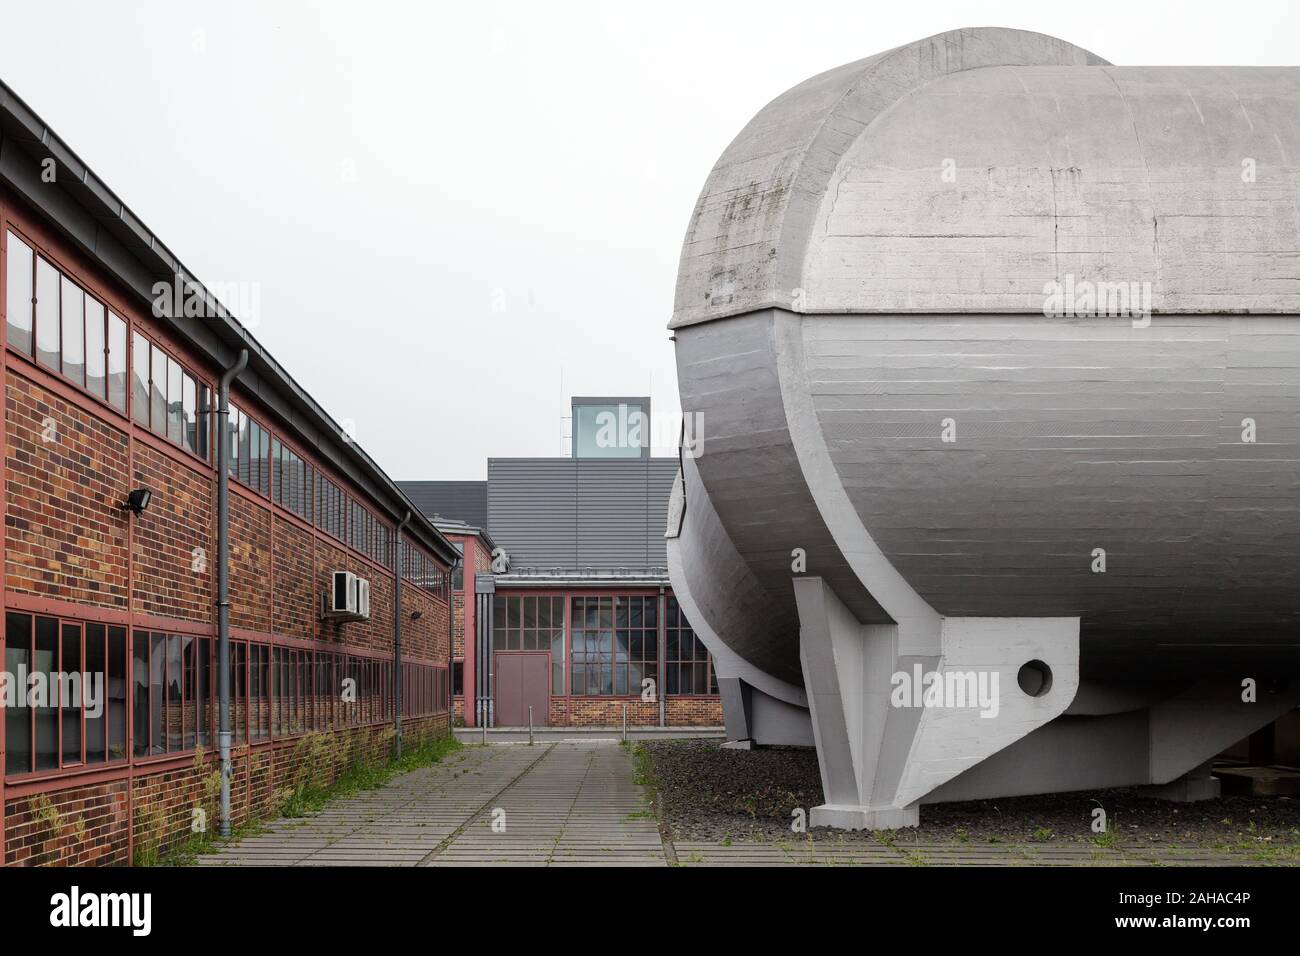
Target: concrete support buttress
x=890 y=727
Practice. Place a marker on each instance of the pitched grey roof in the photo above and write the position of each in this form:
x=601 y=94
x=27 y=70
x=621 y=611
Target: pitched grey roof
x=463 y=501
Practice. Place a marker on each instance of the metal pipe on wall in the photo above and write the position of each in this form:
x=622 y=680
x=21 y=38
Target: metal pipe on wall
x=397 y=639
x=661 y=670
x=223 y=583
x=449 y=697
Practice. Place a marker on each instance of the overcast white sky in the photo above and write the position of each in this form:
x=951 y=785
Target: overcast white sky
x=459 y=214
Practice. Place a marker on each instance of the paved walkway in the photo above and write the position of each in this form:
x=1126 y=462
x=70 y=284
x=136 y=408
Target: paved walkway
x=575 y=803
x=571 y=803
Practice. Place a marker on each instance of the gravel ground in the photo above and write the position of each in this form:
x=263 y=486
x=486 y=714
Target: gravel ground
x=711 y=794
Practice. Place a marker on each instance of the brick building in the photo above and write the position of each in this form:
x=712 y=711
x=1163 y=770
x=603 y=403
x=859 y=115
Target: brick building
x=577 y=619
x=109 y=390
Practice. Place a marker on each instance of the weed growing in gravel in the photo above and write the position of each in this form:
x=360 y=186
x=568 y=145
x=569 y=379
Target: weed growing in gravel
x=1043 y=834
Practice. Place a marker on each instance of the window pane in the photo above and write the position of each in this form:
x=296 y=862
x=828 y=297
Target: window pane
x=279 y=485
x=47 y=314
x=18 y=727
x=264 y=463
x=188 y=712
x=608 y=431
x=96 y=668
x=158 y=390
x=70 y=697
x=115 y=692
x=140 y=692
x=73 y=310
x=239 y=691
x=232 y=433
x=189 y=407
x=203 y=691
x=157 y=675
x=277 y=692
x=175 y=401
x=140 y=378
x=94 y=347
x=18 y=297
x=116 y=362
x=245 y=447
x=204 y=422
x=45 y=661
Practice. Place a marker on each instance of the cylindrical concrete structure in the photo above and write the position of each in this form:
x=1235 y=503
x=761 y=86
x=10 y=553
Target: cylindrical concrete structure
x=984 y=328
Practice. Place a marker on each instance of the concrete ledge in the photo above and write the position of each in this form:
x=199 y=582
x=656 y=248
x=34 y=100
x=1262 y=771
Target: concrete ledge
x=471 y=735
x=864 y=818
x=1185 y=790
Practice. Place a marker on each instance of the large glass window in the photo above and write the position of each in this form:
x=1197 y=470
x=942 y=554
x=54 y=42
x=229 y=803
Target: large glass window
x=158 y=390
x=174 y=687
x=75 y=334
x=250 y=451
x=168 y=398
x=424 y=572
x=79 y=714
x=116 y=362
x=175 y=401
x=689 y=669
x=18 y=293
x=18 y=717
x=615 y=644
x=140 y=378
x=618 y=430
x=189 y=409
x=96 y=352
x=45 y=660
x=73 y=309
x=329 y=507
x=47 y=314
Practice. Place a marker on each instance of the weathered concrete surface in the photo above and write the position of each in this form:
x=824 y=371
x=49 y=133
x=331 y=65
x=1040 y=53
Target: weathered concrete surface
x=861 y=325
x=963 y=172
x=744 y=248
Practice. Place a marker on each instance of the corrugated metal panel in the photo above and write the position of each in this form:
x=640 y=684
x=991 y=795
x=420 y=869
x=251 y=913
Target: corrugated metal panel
x=580 y=513
x=464 y=501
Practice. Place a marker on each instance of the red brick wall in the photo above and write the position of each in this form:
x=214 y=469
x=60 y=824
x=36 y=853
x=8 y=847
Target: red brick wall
x=693 y=711
x=250 y=564
x=167 y=579
x=100 y=824
x=297 y=601
x=71 y=550
x=608 y=712
x=65 y=537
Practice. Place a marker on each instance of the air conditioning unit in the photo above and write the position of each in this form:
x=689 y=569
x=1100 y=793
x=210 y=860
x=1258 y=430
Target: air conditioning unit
x=348 y=599
x=343 y=598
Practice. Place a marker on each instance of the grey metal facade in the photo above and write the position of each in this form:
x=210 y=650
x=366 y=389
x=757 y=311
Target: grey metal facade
x=580 y=513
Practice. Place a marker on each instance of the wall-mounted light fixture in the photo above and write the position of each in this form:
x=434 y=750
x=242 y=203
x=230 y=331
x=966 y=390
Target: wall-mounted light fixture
x=416 y=615
x=137 y=501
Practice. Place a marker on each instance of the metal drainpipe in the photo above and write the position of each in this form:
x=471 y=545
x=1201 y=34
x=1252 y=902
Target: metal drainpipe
x=662 y=670
x=223 y=584
x=451 y=639
x=397 y=641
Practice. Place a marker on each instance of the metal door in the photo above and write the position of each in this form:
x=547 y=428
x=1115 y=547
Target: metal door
x=522 y=679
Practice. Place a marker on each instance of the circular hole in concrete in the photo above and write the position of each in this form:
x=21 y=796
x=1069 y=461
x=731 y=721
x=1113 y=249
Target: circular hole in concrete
x=1035 y=678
